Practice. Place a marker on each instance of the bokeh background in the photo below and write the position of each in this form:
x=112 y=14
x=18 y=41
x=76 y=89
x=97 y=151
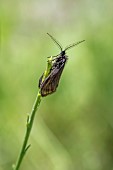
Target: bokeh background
x=73 y=128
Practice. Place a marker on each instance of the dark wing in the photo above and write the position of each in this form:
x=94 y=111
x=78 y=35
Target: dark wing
x=50 y=84
x=40 y=80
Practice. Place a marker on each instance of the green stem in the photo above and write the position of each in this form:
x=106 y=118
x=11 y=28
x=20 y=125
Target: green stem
x=30 y=120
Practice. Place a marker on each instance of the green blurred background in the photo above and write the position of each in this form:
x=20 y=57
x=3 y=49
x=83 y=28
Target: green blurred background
x=73 y=128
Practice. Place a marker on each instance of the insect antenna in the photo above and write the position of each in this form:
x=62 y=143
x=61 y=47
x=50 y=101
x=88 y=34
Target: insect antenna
x=72 y=45
x=56 y=42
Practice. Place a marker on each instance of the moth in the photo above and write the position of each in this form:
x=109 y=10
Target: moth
x=48 y=84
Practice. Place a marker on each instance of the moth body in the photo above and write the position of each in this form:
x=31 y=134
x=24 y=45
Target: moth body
x=49 y=80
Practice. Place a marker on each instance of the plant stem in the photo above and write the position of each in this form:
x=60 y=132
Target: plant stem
x=30 y=120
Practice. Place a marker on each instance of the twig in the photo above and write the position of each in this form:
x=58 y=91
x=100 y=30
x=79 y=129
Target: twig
x=30 y=120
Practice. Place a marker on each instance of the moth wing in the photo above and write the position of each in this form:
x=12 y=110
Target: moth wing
x=40 y=80
x=50 y=84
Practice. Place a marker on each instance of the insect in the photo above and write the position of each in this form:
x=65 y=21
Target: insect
x=48 y=84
